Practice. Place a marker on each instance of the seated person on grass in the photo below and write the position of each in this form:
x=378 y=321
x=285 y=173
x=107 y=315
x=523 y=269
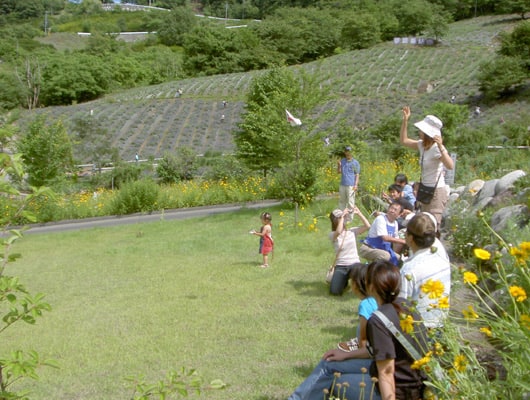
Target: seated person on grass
x=383 y=242
x=407 y=190
x=395 y=195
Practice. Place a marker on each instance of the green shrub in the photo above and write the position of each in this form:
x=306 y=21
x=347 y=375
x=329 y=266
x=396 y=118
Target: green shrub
x=139 y=196
x=467 y=231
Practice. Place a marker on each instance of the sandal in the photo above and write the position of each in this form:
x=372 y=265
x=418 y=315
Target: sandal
x=264 y=266
x=349 y=346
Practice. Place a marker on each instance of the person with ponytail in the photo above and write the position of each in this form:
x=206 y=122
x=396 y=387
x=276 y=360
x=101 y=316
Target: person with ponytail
x=426 y=272
x=391 y=367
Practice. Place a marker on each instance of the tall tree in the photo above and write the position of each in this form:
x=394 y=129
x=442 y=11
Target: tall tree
x=266 y=141
x=46 y=152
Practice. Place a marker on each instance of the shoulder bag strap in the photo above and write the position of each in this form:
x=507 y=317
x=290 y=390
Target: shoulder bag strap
x=340 y=248
x=398 y=335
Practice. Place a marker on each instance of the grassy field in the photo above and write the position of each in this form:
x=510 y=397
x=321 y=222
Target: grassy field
x=369 y=85
x=145 y=299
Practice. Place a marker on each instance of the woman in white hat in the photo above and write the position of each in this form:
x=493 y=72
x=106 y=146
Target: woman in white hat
x=433 y=158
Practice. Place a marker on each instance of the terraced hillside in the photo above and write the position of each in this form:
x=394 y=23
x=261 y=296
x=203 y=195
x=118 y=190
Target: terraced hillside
x=368 y=85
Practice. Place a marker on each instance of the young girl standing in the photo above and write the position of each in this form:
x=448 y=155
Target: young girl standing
x=266 y=243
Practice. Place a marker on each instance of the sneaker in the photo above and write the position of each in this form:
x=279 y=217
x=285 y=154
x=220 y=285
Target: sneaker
x=349 y=346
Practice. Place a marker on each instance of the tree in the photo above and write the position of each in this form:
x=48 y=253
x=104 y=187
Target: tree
x=511 y=67
x=360 y=32
x=175 y=25
x=300 y=34
x=520 y=7
x=421 y=17
x=179 y=167
x=31 y=80
x=91 y=141
x=266 y=142
x=46 y=151
x=517 y=43
x=77 y=78
x=501 y=76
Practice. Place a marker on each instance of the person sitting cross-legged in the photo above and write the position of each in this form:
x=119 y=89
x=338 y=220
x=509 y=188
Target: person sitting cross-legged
x=383 y=241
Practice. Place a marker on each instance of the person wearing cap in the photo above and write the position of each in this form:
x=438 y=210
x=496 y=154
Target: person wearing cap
x=434 y=157
x=349 y=170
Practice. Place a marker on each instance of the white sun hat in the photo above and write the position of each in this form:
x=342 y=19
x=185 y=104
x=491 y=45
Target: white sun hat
x=431 y=126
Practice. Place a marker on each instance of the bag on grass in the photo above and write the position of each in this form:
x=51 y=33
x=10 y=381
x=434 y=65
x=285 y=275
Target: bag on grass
x=329 y=273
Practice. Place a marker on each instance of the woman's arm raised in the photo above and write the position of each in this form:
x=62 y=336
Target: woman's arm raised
x=403 y=135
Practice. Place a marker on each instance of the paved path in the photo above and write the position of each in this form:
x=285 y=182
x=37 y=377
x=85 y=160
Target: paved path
x=183 y=213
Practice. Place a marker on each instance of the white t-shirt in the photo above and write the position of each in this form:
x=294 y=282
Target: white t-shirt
x=432 y=166
x=348 y=252
x=415 y=272
x=383 y=227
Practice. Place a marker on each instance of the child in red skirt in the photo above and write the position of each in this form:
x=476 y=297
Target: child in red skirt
x=266 y=243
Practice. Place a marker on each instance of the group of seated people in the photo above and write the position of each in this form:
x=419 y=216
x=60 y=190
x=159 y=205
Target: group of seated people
x=393 y=287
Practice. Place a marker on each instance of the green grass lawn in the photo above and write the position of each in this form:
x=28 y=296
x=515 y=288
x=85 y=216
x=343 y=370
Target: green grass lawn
x=149 y=298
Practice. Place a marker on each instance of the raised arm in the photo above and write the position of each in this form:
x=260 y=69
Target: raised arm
x=340 y=224
x=403 y=135
x=366 y=223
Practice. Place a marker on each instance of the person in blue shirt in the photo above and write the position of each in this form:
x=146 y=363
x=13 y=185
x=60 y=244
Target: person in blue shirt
x=407 y=190
x=350 y=356
x=349 y=170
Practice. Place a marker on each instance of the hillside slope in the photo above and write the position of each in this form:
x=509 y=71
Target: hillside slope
x=369 y=85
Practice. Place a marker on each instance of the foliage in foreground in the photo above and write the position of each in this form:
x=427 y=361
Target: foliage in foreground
x=17 y=304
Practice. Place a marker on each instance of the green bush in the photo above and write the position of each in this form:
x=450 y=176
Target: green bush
x=139 y=196
x=467 y=231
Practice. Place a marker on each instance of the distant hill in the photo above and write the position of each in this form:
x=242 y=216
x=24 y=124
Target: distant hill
x=369 y=86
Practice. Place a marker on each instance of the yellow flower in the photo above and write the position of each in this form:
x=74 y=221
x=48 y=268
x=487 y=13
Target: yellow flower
x=418 y=364
x=282 y=213
x=521 y=254
x=482 y=254
x=443 y=302
x=525 y=320
x=469 y=313
x=407 y=324
x=486 y=331
x=438 y=349
x=460 y=363
x=518 y=293
x=435 y=289
x=470 y=277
